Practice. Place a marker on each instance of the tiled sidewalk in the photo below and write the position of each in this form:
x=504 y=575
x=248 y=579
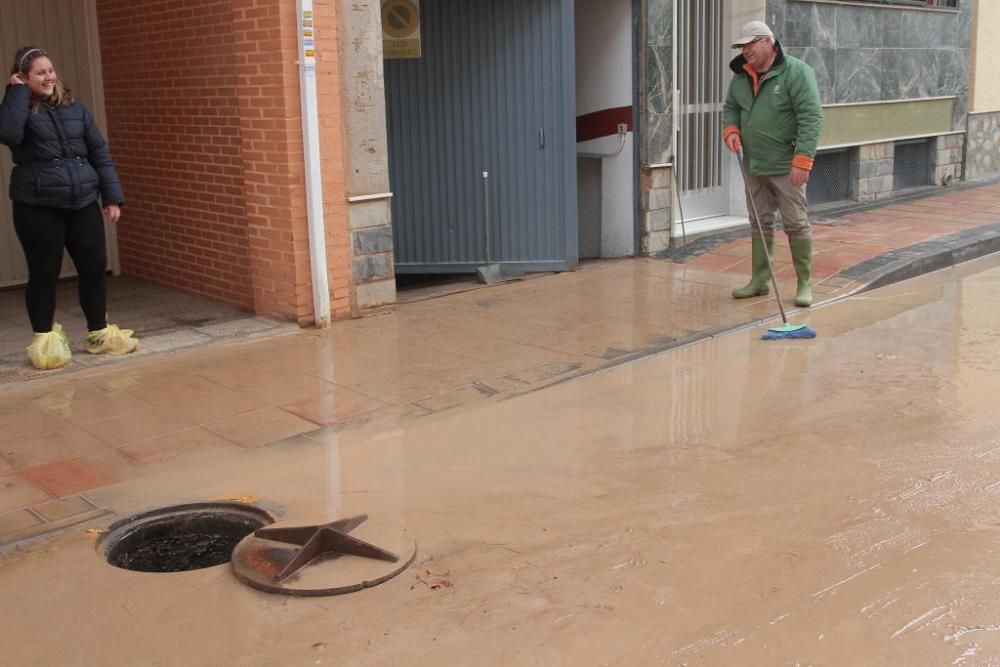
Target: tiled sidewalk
x=167 y=320
x=75 y=431
x=846 y=241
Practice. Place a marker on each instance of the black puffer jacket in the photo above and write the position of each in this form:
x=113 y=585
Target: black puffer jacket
x=61 y=158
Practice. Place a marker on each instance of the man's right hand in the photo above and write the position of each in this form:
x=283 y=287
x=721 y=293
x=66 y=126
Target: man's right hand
x=16 y=80
x=734 y=143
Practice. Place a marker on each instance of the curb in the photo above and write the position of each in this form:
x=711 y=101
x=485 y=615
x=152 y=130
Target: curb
x=924 y=257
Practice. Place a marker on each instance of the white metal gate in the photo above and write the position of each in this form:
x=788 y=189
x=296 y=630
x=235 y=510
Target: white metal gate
x=68 y=31
x=702 y=65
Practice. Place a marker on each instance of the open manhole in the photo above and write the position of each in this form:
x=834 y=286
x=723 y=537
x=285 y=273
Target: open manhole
x=182 y=537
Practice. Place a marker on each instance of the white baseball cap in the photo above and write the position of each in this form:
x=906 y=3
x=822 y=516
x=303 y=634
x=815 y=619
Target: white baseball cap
x=752 y=31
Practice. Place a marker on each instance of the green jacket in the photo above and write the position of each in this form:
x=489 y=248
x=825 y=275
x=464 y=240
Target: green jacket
x=782 y=123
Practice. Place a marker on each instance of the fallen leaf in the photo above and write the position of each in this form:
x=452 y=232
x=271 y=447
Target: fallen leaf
x=434 y=580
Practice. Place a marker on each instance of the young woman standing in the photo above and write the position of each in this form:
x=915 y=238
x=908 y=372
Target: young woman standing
x=62 y=169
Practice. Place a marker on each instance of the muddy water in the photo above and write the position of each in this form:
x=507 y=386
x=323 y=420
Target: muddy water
x=827 y=502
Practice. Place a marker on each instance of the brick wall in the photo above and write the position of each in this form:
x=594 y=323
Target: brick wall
x=203 y=108
x=271 y=130
x=331 y=84
x=175 y=135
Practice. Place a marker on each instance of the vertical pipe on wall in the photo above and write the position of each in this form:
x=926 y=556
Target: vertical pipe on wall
x=638 y=51
x=678 y=153
x=713 y=64
x=699 y=95
x=314 y=180
x=679 y=64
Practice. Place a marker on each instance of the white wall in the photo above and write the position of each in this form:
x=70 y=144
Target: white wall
x=604 y=81
x=985 y=75
x=603 y=55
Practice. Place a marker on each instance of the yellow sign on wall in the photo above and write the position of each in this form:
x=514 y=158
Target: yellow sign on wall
x=401 y=28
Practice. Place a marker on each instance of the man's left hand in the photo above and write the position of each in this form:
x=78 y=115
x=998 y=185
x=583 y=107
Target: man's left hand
x=799 y=176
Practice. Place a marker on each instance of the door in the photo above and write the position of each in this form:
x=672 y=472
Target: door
x=481 y=132
x=702 y=69
x=67 y=31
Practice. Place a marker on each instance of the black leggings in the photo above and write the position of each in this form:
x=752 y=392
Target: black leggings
x=43 y=233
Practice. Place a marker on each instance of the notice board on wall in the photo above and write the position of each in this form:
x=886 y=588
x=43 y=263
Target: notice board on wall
x=401 y=29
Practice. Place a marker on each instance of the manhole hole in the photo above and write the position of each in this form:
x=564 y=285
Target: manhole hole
x=180 y=538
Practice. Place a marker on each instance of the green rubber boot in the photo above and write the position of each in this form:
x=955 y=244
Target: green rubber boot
x=802 y=257
x=758 y=285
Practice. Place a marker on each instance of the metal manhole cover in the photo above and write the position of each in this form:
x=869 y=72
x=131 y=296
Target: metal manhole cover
x=334 y=558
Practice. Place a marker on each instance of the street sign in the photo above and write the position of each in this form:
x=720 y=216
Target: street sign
x=401 y=29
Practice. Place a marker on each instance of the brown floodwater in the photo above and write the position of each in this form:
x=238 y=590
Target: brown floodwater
x=734 y=502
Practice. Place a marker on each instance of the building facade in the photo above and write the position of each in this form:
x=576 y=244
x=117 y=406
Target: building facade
x=445 y=135
x=983 y=138
x=894 y=80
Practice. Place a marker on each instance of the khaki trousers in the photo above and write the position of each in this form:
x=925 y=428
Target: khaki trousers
x=772 y=194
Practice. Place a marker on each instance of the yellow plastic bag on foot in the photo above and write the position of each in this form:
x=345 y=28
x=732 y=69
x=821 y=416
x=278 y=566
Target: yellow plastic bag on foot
x=111 y=340
x=50 y=350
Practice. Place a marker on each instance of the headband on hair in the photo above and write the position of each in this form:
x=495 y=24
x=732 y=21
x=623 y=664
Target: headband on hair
x=20 y=65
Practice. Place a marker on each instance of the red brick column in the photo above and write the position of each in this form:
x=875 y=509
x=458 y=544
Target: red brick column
x=332 y=147
x=267 y=76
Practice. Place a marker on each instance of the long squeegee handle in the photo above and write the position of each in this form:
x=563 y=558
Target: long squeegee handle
x=760 y=230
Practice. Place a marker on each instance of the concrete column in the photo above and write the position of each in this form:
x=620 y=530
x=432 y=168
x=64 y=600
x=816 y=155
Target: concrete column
x=874 y=171
x=657 y=203
x=946 y=156
x=366 y=153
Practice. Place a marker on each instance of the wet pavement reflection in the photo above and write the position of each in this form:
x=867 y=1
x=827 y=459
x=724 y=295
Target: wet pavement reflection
x=732 y=502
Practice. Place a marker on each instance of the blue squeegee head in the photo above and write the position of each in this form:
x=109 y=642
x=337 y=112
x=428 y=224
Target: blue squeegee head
x=789 y=332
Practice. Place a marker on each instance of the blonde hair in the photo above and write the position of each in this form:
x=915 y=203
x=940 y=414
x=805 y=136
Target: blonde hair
x=24 y=58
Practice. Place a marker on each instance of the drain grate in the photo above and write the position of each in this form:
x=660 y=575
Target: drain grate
x=181 y=538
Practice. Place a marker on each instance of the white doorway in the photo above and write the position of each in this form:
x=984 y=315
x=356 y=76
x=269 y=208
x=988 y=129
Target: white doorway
x=605 y=137
x=709 y=186
x=68 y=31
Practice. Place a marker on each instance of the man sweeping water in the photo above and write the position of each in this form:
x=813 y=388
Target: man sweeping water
x=773 y=116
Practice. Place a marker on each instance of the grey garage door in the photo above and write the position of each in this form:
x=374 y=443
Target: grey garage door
x=494 y=92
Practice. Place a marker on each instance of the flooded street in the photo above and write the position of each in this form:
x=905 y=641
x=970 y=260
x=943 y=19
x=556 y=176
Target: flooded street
x=732 y=502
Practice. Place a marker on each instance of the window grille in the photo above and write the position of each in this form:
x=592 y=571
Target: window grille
x=912 y=166
x=830 y=180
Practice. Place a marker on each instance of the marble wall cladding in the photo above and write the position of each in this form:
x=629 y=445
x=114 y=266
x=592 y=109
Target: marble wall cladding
x=859 y=54
x=659 y=137
x=858 y=75
x=964 y=28
x=961 y=111
x=854 y=30
x=823 y=61
x=807 y=24
x=659 y=83
x=983 y=147
x=868 y=54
